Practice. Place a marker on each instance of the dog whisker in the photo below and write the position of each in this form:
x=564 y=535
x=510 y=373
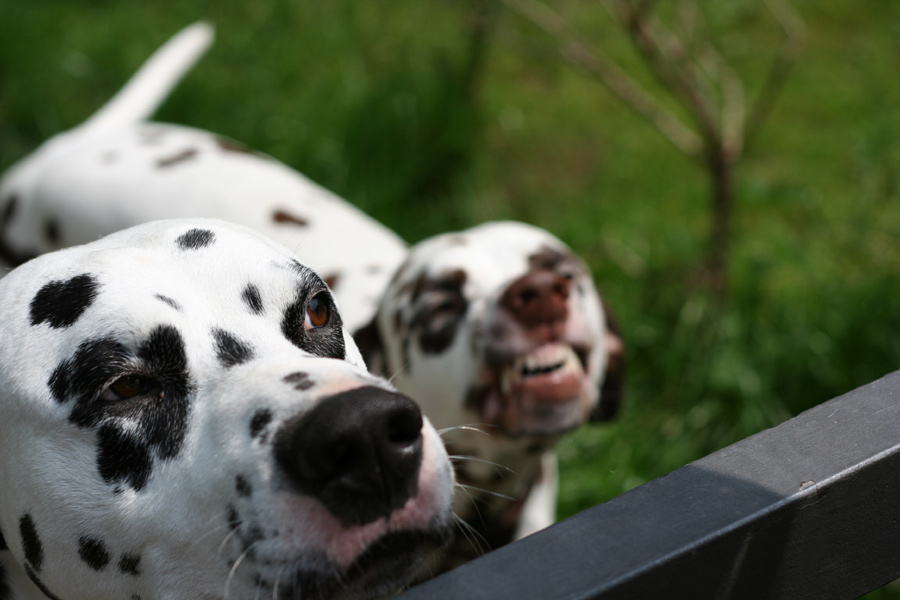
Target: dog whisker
x=225 y=541
x=402 y=368
x=462 y=458
x=475 y=428
x=214 y=530
x=234 y=567
x=472 y=535
x=484 y=491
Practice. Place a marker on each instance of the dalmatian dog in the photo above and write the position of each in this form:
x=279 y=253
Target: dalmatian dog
x=184 y=415
x=501 y=334
x=117 y=170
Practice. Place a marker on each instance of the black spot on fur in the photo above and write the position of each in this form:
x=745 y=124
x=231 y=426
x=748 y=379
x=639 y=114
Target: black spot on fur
x=301 y=381
x=299 y=267
x=229 y=145
x=3 y=545
x=38 y=583
x=549 y=258
x=234 y=520
x=284 y=217
x=260 y=419
x=31 y=543
x=326 y=341
x=612 y=388
x=252 y=298
x=7 y=253
x=230 y=350
x=61 y=303
x=195 y=239
x=168 y=301
x=368 y=340
x=243 y=487
x=130 y=564
x=123 y=458
x=132 y=432
x=174 y=159
x=9 y=211
x=249 y=540
x=475 y=398
x=5 y=592
x=51 y=231
x=95 y=363
x=332 y=279
x=439 y=307
x=93 y=552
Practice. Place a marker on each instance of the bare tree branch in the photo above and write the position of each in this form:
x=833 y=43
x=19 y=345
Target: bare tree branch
x=671 y=68
x=599 y=66
x=795 y=39
x=682 y=58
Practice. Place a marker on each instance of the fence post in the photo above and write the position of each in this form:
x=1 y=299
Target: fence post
x=809 y=509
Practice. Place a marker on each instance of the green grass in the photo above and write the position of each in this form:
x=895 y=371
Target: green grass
x=367 y=99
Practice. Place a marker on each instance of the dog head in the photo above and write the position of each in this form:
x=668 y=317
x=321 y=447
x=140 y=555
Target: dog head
x=182 y=415
x=503 y=327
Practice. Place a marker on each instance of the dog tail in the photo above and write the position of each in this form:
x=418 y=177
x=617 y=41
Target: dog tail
x=148 y=88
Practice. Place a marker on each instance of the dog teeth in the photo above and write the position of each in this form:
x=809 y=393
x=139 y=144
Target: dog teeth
x=546 y=359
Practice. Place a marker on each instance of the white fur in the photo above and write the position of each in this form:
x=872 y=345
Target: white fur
x=492 y=257
x=178 y=522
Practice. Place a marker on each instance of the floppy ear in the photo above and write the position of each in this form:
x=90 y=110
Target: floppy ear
x=368 y=340
x=613 y=384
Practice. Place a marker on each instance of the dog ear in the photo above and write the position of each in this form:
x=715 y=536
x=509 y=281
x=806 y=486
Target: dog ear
x=368 y=340
x=613 y=384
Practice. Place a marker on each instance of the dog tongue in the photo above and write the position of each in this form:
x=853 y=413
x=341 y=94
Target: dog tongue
x=556 y=386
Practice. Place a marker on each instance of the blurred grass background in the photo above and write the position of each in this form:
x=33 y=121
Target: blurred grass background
x=396 y=107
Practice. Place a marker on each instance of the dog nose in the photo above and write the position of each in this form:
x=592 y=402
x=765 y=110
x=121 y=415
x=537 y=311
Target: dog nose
x=358 y=452
x=538 y=298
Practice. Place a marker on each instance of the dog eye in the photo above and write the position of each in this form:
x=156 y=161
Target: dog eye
x=318 y=313
x=445 y=306
x=442 y=304
x=130 y=386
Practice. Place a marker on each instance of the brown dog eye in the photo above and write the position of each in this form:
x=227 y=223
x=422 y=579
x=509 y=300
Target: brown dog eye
x=130 y=386
x=317 y=313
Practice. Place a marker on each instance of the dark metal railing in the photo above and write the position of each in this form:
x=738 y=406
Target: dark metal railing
x=809 y=509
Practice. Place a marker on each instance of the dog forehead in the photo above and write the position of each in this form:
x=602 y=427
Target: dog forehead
x=187 y=255
x=183 y=243
x=491 y=255
x=192 y=272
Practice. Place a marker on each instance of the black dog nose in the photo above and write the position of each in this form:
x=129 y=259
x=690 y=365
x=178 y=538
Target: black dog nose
x=358 y=452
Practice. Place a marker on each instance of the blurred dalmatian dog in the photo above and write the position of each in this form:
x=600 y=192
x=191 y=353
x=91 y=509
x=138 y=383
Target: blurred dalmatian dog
x=184 y=415
x=117 y=170
x=500 y=328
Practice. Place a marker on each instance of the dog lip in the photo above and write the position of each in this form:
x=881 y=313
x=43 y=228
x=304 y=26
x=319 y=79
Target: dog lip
x=554 y=370
x=382 y=569
x=537 y=391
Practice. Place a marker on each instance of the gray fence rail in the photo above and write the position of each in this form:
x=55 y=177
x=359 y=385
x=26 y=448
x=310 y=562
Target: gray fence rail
x=806 y=510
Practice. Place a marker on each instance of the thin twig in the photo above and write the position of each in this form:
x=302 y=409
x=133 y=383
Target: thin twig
x=794 y=30
x=596 y=64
